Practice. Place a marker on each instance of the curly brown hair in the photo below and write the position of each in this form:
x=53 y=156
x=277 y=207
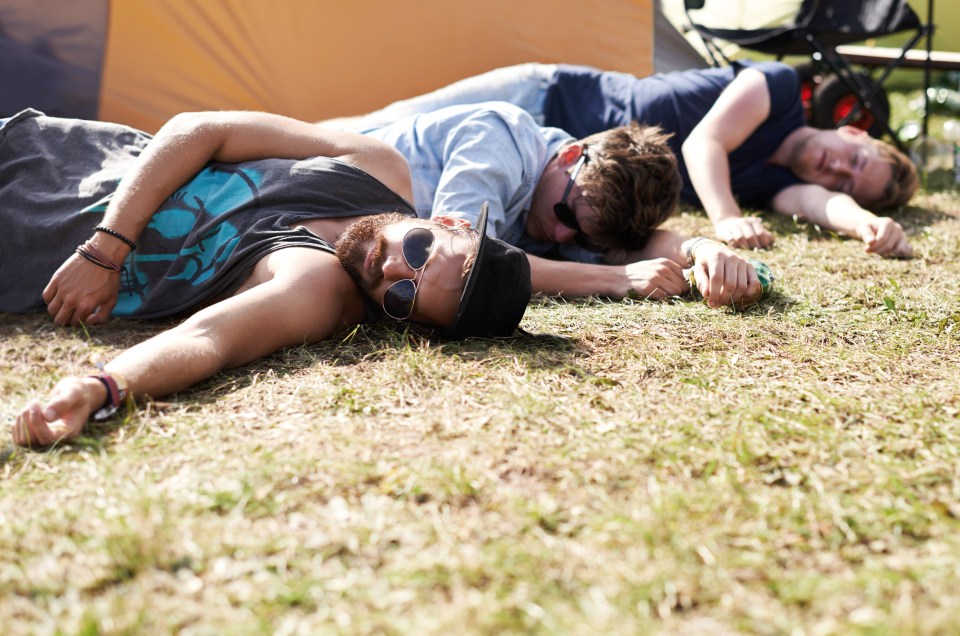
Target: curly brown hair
x=632 y=181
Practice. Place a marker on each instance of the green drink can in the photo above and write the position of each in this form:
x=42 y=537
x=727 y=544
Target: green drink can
x=764 y=273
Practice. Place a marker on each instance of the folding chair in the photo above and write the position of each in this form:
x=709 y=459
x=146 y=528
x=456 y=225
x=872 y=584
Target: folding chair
x=818 y=29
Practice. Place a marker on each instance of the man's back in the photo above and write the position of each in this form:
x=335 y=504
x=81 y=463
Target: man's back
x=463 y=156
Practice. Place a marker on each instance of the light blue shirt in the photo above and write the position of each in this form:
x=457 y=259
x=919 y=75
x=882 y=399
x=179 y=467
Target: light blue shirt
x=461 y=156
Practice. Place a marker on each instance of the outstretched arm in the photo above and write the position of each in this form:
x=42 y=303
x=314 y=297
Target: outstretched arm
x=655 y=272
x=80 y=291
x=839 y=212
x=653 y=279
x=304 y=297
x=741 y=108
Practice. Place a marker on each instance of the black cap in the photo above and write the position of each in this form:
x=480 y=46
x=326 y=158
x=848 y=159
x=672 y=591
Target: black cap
x=497 y=290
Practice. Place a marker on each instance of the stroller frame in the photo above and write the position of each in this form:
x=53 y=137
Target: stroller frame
x=798 y=38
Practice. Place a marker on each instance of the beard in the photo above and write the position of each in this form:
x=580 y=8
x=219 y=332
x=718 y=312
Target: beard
x=352 y=246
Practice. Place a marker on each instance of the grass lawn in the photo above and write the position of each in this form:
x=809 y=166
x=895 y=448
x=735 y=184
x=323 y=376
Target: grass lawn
x=629 y=468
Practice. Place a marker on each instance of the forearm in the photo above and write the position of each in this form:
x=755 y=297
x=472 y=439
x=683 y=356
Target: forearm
x=709 y=170
x=660 y=244
x=659 y=275
x=159 y=366
x=181 y=148
x=830 y=210
x=169 y=362
x=842 y=214
x=567 y=278
x=189 y=141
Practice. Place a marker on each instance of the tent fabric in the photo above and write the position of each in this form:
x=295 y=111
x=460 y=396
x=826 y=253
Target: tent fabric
x=51 y=56
x=146 y=60
x=671 y=50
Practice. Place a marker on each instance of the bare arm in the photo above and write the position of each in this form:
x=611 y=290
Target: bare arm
x=655 y=272
x=305 y=297
x=722 y=276
x=185 y=144
x=182 y=148
x=653 y=279
x=737 y=113
x=839 y=212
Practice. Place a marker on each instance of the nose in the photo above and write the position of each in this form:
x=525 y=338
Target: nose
x=395 y=268
x=840 y=168
x=562 y=233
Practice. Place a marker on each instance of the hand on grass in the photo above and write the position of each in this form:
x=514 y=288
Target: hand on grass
x=744 y=231
x=80 y=291
x=884 y=236
x=654 y=279
x=62 y=416
x=723 y=276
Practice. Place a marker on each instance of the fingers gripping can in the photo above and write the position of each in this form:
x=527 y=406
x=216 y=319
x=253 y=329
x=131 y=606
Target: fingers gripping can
x=764 y=274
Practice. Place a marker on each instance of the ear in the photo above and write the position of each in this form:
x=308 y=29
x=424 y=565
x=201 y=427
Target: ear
x=853 y=131
x=453 y=222
x=570 y=154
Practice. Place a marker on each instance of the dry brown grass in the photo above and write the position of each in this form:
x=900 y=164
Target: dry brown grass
x=629 y=468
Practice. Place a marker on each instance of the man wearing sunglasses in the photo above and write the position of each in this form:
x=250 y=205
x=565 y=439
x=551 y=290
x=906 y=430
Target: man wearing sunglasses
x=585 y=211
x=229 y=220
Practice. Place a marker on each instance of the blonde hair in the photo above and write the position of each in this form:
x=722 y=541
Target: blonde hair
x=904 y=180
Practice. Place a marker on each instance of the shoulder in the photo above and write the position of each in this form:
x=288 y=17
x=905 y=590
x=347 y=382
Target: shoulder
x=311 y=290
x=778 y=74
x=386 y=164
x=782 y=83
x=501 y=130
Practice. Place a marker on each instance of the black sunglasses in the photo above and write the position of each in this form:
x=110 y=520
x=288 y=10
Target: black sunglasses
x=566 y=215
x=399 y=298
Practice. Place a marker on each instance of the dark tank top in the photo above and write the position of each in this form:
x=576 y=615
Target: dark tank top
x=203 y=240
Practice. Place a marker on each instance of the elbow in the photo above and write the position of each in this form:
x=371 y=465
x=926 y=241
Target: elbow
x=186 y=122
x=686 y=148
x=692 y=147
x=192 y=125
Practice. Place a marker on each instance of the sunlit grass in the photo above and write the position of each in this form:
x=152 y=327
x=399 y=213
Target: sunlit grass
x=626 y=468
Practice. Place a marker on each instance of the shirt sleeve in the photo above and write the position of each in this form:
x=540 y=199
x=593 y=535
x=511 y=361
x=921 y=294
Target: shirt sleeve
x=489 y=157
x=783 y=83
x=754 y=181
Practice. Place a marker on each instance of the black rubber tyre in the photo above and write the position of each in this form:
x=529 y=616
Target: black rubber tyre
x=832 y=101
x=809 y=80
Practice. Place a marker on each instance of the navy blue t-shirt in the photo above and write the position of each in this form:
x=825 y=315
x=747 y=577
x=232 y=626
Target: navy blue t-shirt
x=584 y=101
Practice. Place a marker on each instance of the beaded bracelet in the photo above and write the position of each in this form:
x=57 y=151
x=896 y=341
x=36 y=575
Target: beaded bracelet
x=116 y=235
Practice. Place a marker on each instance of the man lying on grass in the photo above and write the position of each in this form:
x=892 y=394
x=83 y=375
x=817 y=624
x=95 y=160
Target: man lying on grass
x=230 y=218
x=586 y=211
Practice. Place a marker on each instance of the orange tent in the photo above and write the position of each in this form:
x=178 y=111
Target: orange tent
x=139 y=62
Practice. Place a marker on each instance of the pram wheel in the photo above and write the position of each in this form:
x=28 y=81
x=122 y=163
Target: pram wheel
x=832 y=101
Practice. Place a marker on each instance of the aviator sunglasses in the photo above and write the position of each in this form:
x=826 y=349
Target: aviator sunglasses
x=565 y=214
x=399 y=298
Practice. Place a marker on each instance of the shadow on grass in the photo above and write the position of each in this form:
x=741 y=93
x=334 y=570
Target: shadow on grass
x=363 y=343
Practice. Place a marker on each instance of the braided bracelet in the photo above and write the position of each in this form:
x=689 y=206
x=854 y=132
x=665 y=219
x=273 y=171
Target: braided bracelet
x=89 y=252
x=690 y=245
x=116 y=235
